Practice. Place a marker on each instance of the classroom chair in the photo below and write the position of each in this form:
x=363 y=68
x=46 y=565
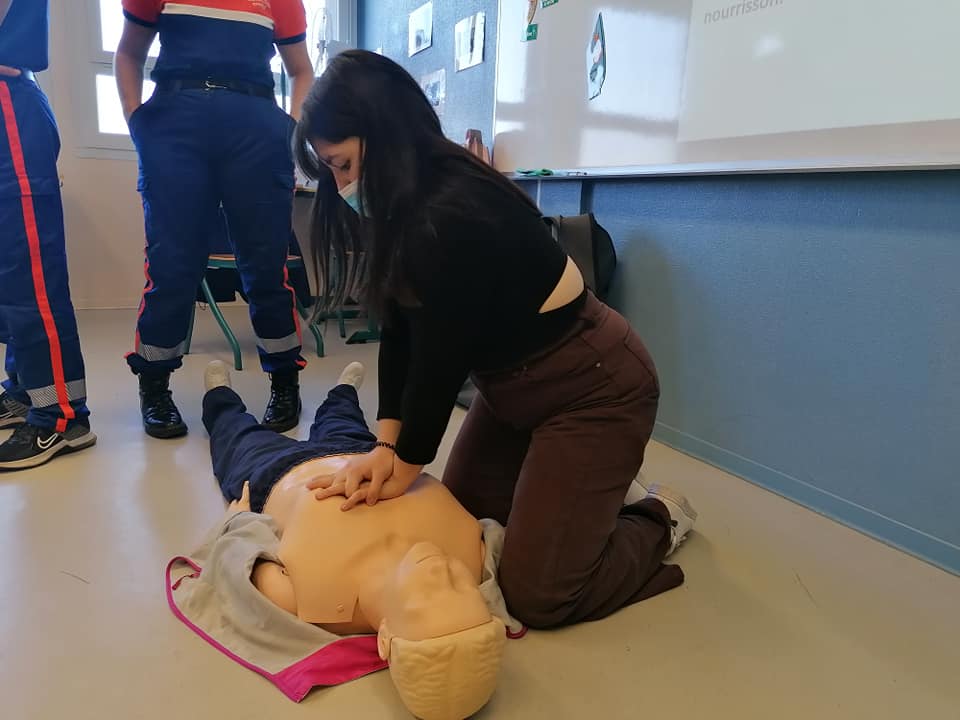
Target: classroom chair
x=227 y=261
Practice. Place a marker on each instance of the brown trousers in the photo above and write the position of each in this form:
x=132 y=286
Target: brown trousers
x=549 y=449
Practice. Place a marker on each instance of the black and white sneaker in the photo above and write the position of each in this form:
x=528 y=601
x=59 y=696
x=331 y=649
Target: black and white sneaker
x=30 y=445
x=12 y=412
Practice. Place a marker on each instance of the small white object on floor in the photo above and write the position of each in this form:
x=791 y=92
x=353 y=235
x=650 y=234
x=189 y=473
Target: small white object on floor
x=216 y=375
x=681 y=513
x=352 y=375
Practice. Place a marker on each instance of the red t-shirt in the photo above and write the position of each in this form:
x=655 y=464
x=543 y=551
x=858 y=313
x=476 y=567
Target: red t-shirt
x=230 y=40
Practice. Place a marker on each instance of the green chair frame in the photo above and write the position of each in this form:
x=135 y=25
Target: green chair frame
x=229 y=262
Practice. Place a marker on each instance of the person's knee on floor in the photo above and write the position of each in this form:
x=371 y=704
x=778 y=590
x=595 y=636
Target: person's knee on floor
x=544 y=603
x=539 y=602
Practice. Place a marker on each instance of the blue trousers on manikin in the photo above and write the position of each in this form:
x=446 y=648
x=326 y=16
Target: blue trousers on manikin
x=200 y=150
x=42 y=358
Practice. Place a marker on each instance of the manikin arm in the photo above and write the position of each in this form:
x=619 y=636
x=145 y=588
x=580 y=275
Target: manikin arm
x=243 y=504
x=271 y=579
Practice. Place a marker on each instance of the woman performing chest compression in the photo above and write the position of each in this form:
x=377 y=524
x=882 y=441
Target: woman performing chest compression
x=469 y=282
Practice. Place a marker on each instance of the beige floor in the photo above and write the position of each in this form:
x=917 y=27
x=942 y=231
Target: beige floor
x=784 y=614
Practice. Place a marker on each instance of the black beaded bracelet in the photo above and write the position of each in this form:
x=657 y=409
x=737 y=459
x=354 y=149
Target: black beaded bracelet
x=383 y=443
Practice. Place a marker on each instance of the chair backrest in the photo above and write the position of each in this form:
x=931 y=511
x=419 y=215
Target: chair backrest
x=302 y=204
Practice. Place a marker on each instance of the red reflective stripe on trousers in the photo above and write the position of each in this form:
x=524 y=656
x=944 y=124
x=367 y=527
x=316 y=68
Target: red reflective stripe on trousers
x=36 y=264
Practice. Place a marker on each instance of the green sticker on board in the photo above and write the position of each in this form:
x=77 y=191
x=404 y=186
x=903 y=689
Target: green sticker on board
x=533 y=32
x=548 y=3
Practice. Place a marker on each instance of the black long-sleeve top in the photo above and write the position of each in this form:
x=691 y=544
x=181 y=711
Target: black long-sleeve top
x=479 y=281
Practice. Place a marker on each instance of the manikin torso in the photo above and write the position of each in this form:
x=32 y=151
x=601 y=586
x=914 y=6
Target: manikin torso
x=328 y=553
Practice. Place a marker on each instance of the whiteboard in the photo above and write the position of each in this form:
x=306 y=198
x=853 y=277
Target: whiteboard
x=725 y=86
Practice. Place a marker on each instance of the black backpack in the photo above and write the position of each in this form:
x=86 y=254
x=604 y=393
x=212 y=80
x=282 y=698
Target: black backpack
x=590 y=246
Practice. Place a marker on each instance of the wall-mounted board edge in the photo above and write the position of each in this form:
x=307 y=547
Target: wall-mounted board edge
x=766 y=168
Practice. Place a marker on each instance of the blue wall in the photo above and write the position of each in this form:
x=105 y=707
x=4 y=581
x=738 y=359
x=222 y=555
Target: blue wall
x=470 y=98
x=807 y=332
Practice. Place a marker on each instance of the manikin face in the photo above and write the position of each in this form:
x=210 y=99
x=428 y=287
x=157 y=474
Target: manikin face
x=430 y=595
x=343 y=159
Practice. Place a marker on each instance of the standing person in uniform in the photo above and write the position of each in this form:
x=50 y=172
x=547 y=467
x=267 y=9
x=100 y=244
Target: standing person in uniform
x=212 y=134
x=471 y=282
x=44 y=396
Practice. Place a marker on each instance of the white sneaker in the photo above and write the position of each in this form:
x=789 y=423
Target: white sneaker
x=216 y=375
x=682 y=514
x=637 y=490
x=352 y=375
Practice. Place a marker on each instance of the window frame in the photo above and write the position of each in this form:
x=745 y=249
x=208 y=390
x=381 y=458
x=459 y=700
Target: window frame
x=96 y=61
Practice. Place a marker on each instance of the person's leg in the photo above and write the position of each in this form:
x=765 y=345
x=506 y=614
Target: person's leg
x=34 y=283
x=14 y=400
x=339 y=426
x=255 y=173
x=485 y=462
x=180 y=207
x=572 y=551
x=340 y=421
x=11 y=385
x=240 y=447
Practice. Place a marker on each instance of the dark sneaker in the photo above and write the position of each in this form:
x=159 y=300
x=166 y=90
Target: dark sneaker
x=30 y=445
x=12 y=412
x=283 y=409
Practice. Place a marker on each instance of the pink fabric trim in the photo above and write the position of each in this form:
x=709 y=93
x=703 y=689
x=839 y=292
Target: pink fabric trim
x=339 y=662
x=516 y=635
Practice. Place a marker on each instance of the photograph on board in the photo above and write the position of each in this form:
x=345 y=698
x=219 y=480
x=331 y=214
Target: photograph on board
x=421 y=29
x=596 y=60
x=435 y=88
x=468 y=41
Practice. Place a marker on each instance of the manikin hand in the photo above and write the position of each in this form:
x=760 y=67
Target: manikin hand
x=378 y=475
x=243 y=504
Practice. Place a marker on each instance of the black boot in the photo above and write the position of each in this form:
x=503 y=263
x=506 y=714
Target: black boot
x=161 y=419
x=283 y=410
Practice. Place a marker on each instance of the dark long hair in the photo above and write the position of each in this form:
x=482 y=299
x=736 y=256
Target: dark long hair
x=408 y=167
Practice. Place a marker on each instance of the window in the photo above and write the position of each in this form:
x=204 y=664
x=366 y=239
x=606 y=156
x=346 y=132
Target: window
x=328 y=21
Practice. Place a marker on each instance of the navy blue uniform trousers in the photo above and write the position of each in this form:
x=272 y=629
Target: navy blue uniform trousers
x=242 y=450
x=37 y=323
x=201 y=150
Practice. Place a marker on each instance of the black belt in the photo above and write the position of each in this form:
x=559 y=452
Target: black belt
x=212 y=84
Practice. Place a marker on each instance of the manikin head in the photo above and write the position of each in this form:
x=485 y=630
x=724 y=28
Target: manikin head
x=442 y=644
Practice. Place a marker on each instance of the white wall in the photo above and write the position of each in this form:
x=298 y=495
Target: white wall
x=104 y=218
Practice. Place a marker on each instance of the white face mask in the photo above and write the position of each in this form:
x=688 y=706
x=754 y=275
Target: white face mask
x=351 y=195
